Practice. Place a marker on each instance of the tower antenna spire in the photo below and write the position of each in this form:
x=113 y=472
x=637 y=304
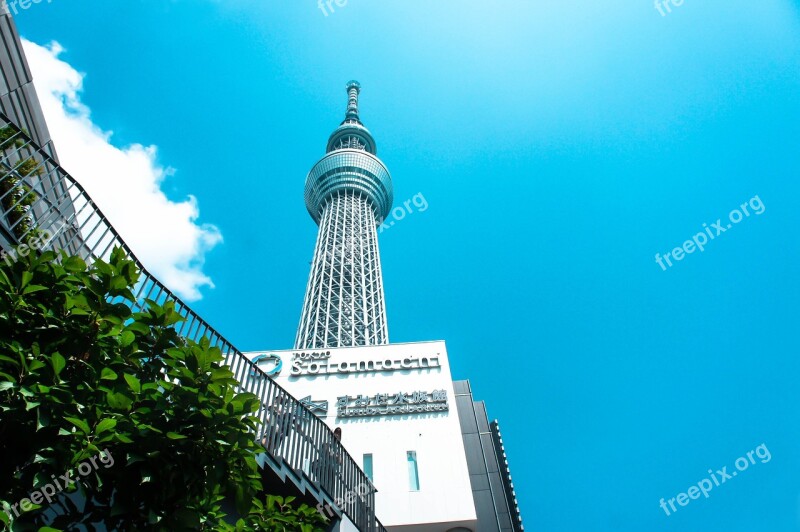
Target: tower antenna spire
x=353 y=88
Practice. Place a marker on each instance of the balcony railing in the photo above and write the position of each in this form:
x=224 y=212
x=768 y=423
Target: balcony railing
x=37 y=194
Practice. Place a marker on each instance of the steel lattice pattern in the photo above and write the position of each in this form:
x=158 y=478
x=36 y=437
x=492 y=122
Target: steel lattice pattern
x=344 y=304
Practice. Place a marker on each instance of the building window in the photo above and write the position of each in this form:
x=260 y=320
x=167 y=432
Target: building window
x=368 y=466
x=413 y=470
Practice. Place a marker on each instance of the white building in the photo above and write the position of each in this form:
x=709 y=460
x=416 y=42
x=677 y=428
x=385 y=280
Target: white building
x=396 y=407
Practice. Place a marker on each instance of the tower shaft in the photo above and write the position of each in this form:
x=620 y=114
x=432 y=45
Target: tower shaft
x=344 y=303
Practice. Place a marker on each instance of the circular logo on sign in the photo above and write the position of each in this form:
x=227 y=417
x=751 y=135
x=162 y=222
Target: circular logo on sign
x=264 y=361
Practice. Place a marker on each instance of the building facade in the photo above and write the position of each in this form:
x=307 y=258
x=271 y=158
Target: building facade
x=492 y=489
x=48 y=206
x=425 y=444
x=18 y=99
x=395 y=405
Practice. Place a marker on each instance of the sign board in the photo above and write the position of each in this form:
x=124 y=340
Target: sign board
x=384 y=404
x=319 y=363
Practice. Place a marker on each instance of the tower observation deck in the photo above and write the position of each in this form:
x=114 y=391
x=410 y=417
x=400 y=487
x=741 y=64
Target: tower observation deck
x=348 y=194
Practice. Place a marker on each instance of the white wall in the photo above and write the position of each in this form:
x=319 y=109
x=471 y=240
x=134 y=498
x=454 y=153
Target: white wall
x=445 y=499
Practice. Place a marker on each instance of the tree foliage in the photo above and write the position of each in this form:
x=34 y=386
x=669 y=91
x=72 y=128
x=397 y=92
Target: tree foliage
x=80 y=373
x=279 y=514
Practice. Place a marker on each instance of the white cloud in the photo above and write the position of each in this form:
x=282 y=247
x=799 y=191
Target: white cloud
x=124 y=182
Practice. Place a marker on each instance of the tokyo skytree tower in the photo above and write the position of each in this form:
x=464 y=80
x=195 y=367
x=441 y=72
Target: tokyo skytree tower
x=348 y=194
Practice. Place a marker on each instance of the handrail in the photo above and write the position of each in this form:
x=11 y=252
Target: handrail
x=292 y=435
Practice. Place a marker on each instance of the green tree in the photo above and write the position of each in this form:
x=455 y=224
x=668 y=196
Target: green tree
x=81 y=374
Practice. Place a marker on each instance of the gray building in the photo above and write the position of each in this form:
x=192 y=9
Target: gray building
x=33 y=196
x=492 y=489
x=18 y=100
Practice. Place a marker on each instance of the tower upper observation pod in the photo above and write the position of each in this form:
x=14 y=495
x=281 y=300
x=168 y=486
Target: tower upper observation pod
x=351 y=164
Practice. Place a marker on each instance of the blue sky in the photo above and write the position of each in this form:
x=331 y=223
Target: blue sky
x=560 y=145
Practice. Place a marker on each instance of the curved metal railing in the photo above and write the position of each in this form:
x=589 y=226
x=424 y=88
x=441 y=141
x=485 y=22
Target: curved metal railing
x=37 y=195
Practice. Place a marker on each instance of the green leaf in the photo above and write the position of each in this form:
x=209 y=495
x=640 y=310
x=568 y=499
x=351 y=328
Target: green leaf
x=139 y=327
x=118 y=283
x=240 y=500
x=6 y=385
x=58 y=363
x=42 y=419
x=118 y=401
x=126 y=338
x=123 y=438
x=81 y=424
x=133 y=382
x=33 y=288
x=33 y=507
x=175 y=436
x=74 y=264
x=108 y=374
x=106 y=424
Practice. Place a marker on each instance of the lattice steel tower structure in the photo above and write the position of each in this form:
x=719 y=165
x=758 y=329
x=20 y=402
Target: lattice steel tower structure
x=348 y=194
